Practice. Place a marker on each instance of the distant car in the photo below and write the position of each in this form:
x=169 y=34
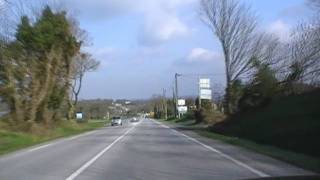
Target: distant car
x=134 y=119
x=116 y=121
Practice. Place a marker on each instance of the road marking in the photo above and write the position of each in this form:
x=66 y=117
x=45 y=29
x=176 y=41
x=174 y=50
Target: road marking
x=78 y=136
x=57 y=141
x=253 y=170
x=62 y=140
x=91 y=161
x=40 y=147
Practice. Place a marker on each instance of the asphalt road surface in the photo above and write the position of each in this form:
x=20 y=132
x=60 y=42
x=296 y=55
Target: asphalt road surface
x=144 y=150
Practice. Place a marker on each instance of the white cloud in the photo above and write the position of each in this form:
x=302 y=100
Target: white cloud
x=161 y=28
x=281 y=30
x=200 y=54
x=160 y=20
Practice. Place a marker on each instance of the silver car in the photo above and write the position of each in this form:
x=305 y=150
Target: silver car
x=116 y=121
x=134 y=119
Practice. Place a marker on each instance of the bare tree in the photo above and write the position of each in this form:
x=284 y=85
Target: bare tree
x=301 y=65
x=2 y=5
x=304 y=57
x=82 y=64
x=81 y=34
x=315 y=4
x=234 y=24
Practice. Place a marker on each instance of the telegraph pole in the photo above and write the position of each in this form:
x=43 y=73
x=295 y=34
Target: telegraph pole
x=176 y=94
x=174 y=101
x=165 y=107
x=199 y=100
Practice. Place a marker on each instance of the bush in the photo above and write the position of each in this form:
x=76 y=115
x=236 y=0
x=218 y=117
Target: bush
x=260 y=91
x=209 y=117
x=290 y=122
x=214 y=117
x=188 y=115
x=199 y=115
x=234 y=92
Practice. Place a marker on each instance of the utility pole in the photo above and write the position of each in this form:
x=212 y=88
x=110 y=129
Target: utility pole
x=165 y=104
x=176 y=93
x=199 y=93
x=174 y=102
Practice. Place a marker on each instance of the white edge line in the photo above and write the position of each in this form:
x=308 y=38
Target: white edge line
x=57 y=141
x=40 y=147
x=78 y=136
x=91 y=161
x=253 y=170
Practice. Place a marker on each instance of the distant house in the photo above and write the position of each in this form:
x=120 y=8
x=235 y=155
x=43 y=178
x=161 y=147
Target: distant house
x=128 y=102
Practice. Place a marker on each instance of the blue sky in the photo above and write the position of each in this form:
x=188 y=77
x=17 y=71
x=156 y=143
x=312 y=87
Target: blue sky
x=142 y=43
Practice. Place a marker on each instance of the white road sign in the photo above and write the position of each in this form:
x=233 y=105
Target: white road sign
x=205 y=94
x=181 y=102
x=204 y=83
x=79 y=116
x=182 y=109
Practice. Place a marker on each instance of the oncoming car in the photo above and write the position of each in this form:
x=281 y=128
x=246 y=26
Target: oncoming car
x=116 y=121
x=134 y=119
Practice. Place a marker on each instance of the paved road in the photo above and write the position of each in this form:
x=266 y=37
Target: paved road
x=144 y=150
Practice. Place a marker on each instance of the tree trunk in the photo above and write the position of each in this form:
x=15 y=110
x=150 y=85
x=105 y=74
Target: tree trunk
x=41 y=91
x=71 y=109
x=228 y=99
x=16 y=110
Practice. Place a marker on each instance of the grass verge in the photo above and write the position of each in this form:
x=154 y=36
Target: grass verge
x=298 y=159
x=12 y=141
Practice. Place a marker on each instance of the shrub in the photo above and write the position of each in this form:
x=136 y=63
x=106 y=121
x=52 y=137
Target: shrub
x=260 y=91
x=209 y=117
x=199 y=115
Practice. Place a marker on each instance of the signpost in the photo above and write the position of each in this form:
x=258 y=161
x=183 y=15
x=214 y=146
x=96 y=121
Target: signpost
x=181 y=102
x=182 y=109
x=204 y=90
x=79 y=116
x=204 y=83
x=205 y=94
